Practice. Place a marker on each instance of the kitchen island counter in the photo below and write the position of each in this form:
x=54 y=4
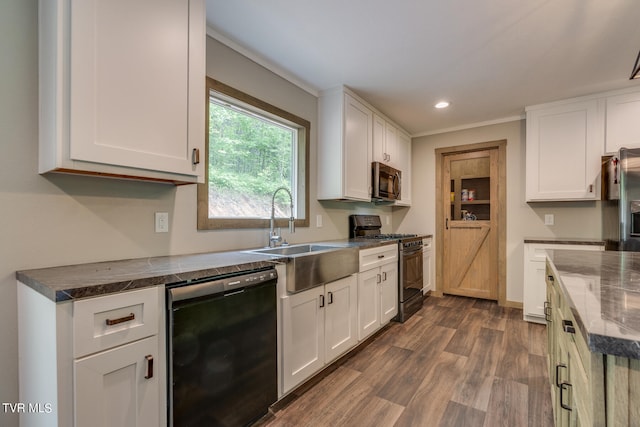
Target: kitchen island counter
x=603 y=293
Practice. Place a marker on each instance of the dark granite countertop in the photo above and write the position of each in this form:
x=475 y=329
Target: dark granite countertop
x=564 y=241
x=603 y=292
x=94 y=279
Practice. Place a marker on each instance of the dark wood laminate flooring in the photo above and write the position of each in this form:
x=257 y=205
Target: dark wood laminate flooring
x=457 y=362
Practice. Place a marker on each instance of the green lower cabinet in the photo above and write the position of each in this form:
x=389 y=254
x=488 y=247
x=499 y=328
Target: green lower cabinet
x=575 y=373
x=623 y=391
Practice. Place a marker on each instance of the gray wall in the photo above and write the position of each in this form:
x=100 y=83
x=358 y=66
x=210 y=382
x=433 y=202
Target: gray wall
x=60 y=220
x=572 y=219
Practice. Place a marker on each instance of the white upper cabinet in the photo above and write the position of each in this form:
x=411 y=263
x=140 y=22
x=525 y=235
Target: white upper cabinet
x=623 y=122
x=384 y=142
x=351 y=135
x=344 y=150
x=122 y=88
x=564 y=147
x=404 y=164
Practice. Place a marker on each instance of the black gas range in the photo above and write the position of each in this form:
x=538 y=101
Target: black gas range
x=410 y=268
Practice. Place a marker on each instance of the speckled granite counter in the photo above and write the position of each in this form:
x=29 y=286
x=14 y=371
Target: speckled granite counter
x=603 y=291
x=94 y=279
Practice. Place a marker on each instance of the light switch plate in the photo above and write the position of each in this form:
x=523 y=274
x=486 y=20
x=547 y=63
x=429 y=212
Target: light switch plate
x=319 y=221
x=548 y=219
x=162 y=222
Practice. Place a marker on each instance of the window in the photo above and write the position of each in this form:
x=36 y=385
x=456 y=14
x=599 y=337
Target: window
x=253 y=149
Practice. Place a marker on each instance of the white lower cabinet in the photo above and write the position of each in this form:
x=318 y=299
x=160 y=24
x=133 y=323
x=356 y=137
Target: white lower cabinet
x=377 y=288
x=120 y=384
x=534 y=276
x=97 y=361
x=427 y=282
x=318 y=326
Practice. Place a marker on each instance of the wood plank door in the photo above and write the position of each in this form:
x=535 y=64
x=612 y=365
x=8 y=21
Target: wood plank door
x=470 y=244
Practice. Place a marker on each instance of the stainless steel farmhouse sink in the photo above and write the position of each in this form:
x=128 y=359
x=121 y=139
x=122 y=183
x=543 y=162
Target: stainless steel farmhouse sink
x=311 y=265
x=295 y=250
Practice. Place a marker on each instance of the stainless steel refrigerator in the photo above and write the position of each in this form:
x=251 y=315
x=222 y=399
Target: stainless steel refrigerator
x=621 y=207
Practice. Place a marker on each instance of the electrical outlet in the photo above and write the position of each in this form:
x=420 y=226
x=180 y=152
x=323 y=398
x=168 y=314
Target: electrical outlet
x=549 y=219
x=162 y=222
x=319 y=221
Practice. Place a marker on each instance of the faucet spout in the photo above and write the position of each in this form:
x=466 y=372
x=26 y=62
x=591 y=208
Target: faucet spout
x=274 y=238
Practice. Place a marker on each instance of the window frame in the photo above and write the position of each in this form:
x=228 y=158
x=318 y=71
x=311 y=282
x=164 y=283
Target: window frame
x=304 y=135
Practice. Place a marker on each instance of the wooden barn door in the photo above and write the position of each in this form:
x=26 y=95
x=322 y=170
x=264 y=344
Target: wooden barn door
x=470 y=235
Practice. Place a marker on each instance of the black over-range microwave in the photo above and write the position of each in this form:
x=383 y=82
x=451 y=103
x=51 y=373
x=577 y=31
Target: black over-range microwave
x=386 y=182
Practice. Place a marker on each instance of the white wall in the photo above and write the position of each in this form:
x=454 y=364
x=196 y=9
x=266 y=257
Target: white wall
x=59 y=220
x=572 y=219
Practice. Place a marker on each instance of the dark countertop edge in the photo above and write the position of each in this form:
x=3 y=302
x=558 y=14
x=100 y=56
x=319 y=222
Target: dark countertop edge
x=564 y=241
x=99 y=289
x=61 y=292
x=597 y=343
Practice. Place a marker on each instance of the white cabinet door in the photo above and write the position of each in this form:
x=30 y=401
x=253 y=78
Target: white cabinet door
x=302 y=336
x=564 y=146
x=356 y=167
x=535 y=293
x=403 y=156
x=341 y=317
x=379 y=154
x=385 y=142
x=111 y=388
x=390 y=143
x=388 y=293
x=368 y=302
x=622 y=124
x=131 y=92
x=427 y=284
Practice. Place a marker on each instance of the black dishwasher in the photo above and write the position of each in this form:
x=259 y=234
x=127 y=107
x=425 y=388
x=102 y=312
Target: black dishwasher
x=222 y=349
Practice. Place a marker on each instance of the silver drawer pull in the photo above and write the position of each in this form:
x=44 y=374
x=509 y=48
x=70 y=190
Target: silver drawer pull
x=111 y=322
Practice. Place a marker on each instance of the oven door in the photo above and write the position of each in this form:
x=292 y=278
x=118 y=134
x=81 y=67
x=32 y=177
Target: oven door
x=410 y=274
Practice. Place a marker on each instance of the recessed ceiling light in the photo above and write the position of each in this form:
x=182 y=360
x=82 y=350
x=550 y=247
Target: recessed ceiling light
x=442 y=104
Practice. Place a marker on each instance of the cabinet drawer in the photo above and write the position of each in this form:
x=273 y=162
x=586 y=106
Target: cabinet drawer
x=109 y=321
x=375 y=257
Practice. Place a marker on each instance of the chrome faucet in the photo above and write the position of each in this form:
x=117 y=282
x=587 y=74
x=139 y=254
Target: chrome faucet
x=274 y=238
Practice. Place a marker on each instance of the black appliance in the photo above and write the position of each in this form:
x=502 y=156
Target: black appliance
x=386 y=182
x=410 y=268
x=222 y=349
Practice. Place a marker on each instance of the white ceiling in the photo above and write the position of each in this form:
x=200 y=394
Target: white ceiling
x=489 y=58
